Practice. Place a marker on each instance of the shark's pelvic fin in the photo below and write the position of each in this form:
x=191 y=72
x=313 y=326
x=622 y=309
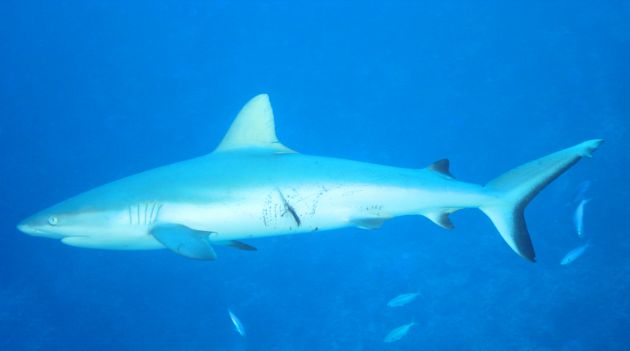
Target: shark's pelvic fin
x=253 y=128
x=185 y=241
x=515 y=189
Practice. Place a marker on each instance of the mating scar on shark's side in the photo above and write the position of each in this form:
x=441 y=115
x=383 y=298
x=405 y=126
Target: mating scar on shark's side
x=253 y=186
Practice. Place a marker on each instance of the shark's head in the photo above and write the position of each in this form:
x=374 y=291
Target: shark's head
x=109 y=217
x=73 y=218
x=92 y=214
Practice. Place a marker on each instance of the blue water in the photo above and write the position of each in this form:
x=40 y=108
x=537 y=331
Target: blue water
x=92 y=91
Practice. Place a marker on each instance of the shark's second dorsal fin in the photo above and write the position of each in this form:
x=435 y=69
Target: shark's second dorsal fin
x=441 y=166
x=253 y=128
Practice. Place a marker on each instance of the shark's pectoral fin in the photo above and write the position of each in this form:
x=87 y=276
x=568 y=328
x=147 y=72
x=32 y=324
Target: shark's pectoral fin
x=185 y=241
x=369 y=222
x=237 y=245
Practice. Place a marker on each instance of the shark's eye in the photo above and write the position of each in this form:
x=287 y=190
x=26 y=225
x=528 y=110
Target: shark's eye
x=52 y=220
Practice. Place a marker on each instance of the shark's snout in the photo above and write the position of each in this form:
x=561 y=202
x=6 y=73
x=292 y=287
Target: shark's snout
x=27 y=226
x=36 y=227
x=24 y=227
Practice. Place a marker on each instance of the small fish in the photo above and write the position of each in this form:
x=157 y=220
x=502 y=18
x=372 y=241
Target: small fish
x=397 y=333
x=237 y=323
x=578 y=217
x=402 y=299
x=574 y=254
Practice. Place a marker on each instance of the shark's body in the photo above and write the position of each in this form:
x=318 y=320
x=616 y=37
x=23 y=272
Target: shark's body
x=253 y=186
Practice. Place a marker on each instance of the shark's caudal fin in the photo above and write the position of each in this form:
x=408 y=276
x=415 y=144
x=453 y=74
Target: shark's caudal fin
x=516 y=188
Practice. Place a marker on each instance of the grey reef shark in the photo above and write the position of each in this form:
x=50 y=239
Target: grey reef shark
x=253 y=186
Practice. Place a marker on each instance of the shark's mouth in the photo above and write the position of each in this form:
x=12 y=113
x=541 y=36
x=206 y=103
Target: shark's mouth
x=35 y=231
x=43 y=232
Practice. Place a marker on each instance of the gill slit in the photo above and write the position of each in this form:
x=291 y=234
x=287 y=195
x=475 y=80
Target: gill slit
x=158 y=207
x=151 y=213
x=146 y=209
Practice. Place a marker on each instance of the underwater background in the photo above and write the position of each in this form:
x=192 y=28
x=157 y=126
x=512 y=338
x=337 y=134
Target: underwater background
x=93 y=91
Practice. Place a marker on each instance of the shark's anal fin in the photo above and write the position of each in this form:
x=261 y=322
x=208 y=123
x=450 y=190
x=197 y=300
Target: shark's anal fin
x=440 y=218
x=368 y=222
x=185 y=241
x=237 y=245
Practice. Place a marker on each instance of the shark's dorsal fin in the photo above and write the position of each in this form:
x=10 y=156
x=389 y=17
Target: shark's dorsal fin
x=253 y=128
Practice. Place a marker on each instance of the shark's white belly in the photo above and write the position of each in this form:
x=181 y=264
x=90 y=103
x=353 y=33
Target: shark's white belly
x=267 y=211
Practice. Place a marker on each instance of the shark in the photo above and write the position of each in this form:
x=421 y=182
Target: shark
x=252 y=186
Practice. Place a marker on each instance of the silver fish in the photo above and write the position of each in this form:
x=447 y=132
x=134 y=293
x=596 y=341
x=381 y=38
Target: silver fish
x=574 y=254
x=402 y=299
x=578 y=217
x=237 y=323
x=397 y=333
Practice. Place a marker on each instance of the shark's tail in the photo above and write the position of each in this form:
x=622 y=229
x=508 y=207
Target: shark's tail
x=513 y=190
